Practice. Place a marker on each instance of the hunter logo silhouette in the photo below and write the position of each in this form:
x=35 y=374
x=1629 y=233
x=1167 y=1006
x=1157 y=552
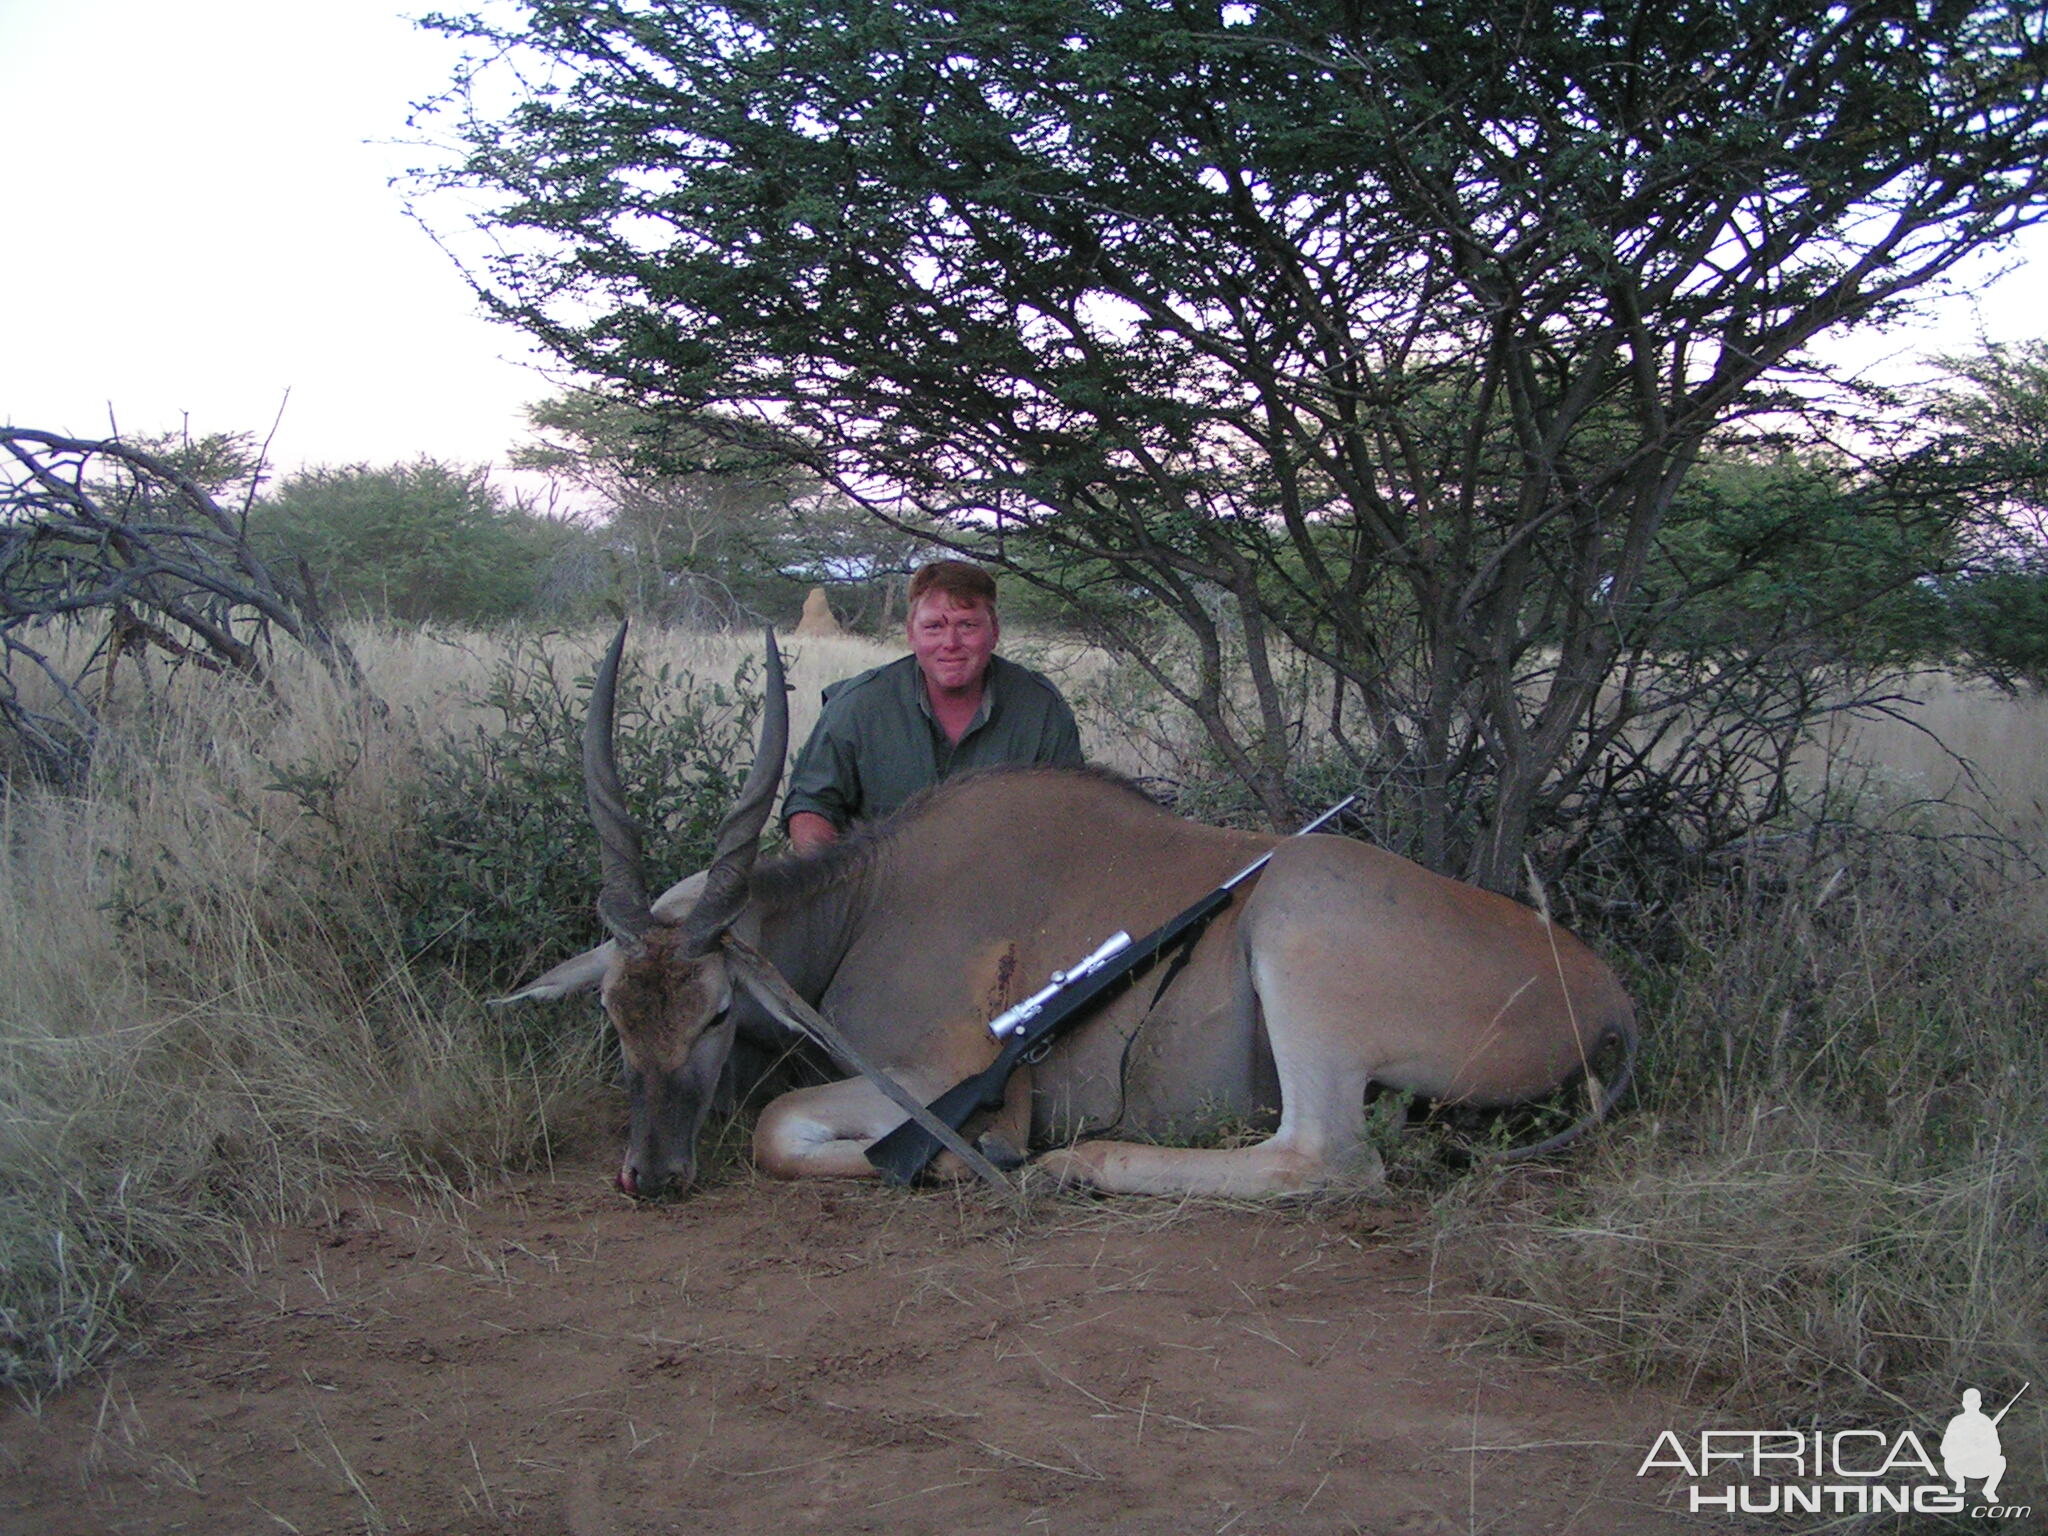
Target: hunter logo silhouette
x=1970 y=1448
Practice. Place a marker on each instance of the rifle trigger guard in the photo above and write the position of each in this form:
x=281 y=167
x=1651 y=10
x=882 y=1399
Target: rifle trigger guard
x=1037 y=1053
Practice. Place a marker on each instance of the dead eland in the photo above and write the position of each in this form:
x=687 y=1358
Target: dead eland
x=1340 y=966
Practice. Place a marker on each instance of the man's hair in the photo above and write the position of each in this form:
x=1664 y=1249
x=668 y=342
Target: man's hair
x=965 y=584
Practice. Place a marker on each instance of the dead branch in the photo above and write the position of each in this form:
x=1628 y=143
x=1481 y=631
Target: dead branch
x=118 y=539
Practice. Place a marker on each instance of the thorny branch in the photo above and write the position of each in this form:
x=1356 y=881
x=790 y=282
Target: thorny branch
x=125 y=547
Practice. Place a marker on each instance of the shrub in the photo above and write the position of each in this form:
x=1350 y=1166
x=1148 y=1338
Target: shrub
x=1833 y=1195
x=417 y=542
x=503 y=858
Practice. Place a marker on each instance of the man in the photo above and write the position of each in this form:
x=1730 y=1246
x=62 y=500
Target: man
x=949 y=706
x=1970 y=1448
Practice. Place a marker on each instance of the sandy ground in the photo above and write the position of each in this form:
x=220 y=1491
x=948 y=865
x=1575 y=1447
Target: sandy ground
x=766 y=1357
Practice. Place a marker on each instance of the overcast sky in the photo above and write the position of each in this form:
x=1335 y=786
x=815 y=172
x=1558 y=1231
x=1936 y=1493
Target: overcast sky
x=200 y=219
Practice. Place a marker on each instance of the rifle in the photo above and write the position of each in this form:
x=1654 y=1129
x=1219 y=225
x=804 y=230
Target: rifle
x=1994 y=1418
x=1026 y=1030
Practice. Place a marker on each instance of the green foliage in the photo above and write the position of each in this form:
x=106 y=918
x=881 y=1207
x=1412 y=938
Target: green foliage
x=502 y=868
x=1755 y=550
x=1996 y=408
x=1386 y=336
x=217 y=462
x=1999 y=402
x=1997 y=619
x=413 y=542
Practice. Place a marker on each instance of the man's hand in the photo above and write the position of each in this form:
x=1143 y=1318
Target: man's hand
x=809 y=832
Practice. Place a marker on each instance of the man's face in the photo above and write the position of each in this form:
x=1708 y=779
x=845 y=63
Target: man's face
x=952 y=641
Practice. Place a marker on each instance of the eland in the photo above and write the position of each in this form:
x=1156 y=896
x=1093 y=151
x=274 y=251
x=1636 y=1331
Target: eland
x=1341 y=966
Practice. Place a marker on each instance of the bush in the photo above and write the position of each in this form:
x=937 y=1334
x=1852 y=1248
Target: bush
x=1833 y=1195
x=503 y=861
x=415 y=542
x=1998 y=619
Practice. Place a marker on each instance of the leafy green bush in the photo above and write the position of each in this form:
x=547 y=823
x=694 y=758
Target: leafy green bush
x=501 y=873
x=1998 y=620
x=412 y=542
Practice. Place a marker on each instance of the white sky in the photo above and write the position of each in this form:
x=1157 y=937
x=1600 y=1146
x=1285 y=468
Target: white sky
x=200 y=218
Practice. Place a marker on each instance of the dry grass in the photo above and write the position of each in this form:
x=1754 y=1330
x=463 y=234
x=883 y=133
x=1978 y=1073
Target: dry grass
x=1830 y=1197
x=1831 y=1202
x=206 y=1015
x=1961 y=743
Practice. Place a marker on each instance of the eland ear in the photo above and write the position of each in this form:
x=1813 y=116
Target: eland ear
x=580 y=974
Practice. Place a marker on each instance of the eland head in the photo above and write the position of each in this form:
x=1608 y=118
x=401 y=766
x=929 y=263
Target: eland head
x=669 y=988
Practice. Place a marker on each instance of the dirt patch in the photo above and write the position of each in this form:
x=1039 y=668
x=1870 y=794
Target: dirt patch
x=771 y=1357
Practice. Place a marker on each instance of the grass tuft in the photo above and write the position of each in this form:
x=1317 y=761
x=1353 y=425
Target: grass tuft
x=1831 y=1201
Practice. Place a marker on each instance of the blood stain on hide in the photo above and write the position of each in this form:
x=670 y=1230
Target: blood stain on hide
x=1006 y=974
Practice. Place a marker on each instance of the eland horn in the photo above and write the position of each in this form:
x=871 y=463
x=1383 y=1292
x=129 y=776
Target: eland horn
x=622 y=902
x=739 y=839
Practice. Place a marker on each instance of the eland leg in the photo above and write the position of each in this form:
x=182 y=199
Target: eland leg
x=824 y=1132
x=1315 y=1148
x=1320 y=1141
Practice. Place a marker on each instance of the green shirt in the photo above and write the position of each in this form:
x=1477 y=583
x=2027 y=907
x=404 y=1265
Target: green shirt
x=876 y=743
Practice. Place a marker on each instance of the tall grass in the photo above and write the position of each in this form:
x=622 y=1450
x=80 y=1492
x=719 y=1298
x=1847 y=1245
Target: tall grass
x=222 y=989
x=1957 y=742
x=1831 y=1202
x=214 y=1001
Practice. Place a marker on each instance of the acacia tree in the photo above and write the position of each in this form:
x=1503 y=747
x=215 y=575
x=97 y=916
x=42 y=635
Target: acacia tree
x=1996 y=406
x=1380 y=335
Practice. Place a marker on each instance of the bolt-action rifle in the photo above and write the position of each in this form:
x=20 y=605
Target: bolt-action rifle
x=1027 y=1030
